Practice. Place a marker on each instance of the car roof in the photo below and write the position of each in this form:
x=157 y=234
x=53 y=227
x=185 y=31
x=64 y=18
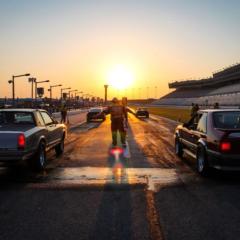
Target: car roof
x=20 y=110
x=94 y=109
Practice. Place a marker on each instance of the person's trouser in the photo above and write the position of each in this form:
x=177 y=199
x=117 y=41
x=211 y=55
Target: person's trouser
x=63 y=120
x=118 y=126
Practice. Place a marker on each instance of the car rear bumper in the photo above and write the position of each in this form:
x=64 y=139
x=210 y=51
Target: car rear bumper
x=224 y=161
x=142 y=115
x=14 y=156
x=101 y=116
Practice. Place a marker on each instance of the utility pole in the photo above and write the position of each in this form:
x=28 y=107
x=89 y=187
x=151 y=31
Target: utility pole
x=36 y=83
x=61 y=97
x=13 y=84
x=50 y=89
x=32 y=80
x=106 y=92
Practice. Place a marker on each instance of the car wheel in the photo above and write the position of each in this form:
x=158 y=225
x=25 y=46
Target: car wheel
x=59 y=149
x=40 y=159
x=202 y=164
x=178 y=148
x=88 y=120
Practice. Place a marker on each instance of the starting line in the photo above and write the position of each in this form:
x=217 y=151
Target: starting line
x=153 y=178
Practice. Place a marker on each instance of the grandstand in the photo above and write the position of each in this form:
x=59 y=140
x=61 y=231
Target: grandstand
x=223 y=87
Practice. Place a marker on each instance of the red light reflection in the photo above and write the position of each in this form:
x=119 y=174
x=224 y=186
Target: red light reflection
x=116 y=151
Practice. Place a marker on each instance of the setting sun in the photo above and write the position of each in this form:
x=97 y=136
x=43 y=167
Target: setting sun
x=120 y=77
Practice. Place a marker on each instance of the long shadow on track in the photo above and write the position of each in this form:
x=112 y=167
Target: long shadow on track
x=114 y=214
x=115 y=217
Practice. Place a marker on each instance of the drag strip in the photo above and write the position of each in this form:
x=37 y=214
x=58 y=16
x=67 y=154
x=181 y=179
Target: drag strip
x=90 y=193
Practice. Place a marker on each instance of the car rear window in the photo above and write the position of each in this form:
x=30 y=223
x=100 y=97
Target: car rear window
x=16 y=118
x=95 y=110
x=227 y=120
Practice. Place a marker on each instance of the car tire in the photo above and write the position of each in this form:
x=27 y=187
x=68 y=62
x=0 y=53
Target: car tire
x=88 y=120
x=202 y=163
x=40 y=158
x=178 y=148
x=59 y=149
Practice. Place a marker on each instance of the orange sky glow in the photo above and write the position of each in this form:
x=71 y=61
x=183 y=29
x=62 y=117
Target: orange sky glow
x=80 y=43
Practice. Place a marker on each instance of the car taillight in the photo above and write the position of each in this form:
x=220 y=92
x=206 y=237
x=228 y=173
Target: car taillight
x=21 y=141
x=225 y=146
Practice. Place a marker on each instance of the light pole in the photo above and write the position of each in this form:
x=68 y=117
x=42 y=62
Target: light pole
x=50 y=89
x=86 y=96
x=13 y=84
x=106 y=92
x=69 y=92
x=32 y=80
x=77 y=93
x=62 y=91
x=36 y=83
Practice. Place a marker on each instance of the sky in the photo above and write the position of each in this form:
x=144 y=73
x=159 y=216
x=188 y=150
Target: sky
x=78 y=43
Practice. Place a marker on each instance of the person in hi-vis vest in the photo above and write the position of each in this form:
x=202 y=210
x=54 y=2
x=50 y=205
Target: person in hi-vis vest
x=118 y=121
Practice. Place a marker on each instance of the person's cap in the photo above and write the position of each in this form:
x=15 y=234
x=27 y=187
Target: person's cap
x=114 y=100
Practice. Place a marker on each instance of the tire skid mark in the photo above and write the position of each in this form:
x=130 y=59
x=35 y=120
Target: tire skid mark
x=155 y=228
x=154 y=142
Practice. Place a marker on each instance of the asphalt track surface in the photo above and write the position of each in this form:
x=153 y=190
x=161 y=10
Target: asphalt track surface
x=90 y=193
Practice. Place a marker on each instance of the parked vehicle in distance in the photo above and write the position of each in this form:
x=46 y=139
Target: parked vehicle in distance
x=105 y=110
x=142 y=112
x=27 y=134
x=96 y=113
x=212 y=137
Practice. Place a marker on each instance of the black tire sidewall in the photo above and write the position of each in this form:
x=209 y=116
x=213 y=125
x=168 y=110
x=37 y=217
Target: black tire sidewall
x=178 y=148
x=202 y=153
x=41 y=150
x=59 y=149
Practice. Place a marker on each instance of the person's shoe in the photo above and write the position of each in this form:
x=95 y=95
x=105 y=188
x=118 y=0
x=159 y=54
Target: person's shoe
x=124 y=145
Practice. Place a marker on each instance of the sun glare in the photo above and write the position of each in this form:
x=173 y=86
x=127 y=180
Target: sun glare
x=120 y=77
